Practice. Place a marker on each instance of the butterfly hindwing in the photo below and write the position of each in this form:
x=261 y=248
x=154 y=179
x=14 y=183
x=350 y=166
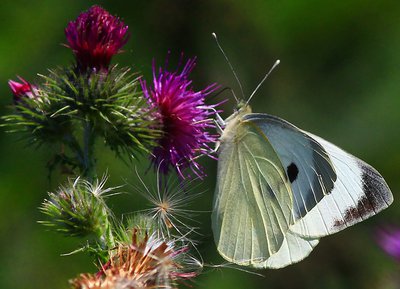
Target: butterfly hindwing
x=294 y=249
x=253 y=201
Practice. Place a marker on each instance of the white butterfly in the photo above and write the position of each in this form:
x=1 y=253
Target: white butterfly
x=279 y=189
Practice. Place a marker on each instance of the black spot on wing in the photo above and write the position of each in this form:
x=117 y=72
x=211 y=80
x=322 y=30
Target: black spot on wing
x=292 y=172
x=308 y=165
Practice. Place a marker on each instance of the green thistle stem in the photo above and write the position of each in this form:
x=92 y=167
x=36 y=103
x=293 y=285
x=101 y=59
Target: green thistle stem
x=73 y=144
x=88 y=165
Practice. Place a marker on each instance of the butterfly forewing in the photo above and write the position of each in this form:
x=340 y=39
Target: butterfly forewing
x=359 y=192
x=332 y=189
x=308 y=166
x=253 y=200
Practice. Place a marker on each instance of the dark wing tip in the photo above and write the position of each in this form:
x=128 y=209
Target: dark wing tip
x=375 y=188
x=375 y=198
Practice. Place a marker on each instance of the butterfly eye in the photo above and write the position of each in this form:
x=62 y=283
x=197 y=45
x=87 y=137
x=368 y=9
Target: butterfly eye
x=292 y=172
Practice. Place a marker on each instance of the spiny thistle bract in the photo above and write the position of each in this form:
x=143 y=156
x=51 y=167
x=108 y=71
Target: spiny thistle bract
x=146 y=262
x=111 y=102
x=74 y=109
x=35 y=114
x=79 y=209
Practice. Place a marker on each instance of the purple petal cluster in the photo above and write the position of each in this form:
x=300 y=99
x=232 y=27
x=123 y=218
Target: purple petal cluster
x=22 y=89
x=94 y=37
x=389 y=240
x=185 y=119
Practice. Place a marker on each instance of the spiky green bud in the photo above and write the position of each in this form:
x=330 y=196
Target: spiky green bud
x=73 y=109
x=111 y=101
x=79 y=209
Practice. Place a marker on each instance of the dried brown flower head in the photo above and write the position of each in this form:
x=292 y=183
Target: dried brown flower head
x=146 y=263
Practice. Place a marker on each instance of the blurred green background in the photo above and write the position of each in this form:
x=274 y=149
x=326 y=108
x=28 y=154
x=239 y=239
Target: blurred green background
x=339 y=78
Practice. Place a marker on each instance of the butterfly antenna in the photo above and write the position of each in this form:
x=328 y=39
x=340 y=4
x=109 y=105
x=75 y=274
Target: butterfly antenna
x=262 y=81
x=230 y=65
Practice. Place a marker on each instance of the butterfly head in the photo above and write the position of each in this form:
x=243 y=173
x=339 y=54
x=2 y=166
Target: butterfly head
x=242 y=109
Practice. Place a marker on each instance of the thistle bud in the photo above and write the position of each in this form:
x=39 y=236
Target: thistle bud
x=23 y=89
x=94 y=37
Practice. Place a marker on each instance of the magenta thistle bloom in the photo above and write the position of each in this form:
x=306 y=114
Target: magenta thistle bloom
x=389 y=240
x=24 y=89
x=94 y=37
x=184 y=118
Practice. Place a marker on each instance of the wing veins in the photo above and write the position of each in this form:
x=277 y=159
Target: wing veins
x=258 y=205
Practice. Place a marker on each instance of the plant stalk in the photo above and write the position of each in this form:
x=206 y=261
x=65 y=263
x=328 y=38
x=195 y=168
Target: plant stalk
x=88 y=165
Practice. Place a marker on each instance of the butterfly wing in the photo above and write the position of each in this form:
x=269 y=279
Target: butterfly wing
x=307 y=164
x=359 y=193
x=253 y=200
x=332 y=189
x=294 y=249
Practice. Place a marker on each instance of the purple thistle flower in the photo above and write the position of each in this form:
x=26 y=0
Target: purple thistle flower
x=94 y=37
x=389 y=240
x=184 y=117
x=24 y=89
